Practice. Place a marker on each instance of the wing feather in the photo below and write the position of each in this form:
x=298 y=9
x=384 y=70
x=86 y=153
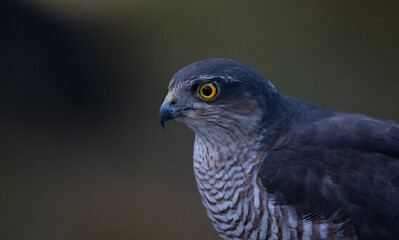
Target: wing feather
x=347 y=162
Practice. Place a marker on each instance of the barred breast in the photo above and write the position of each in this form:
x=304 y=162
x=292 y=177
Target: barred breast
x=239 y=206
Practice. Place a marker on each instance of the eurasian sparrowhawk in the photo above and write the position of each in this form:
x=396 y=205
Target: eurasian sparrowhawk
x=271 y=166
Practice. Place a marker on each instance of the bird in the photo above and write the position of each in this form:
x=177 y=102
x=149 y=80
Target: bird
x=272 y=166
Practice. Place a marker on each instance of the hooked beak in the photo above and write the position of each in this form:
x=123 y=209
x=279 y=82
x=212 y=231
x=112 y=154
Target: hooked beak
x=168 y=112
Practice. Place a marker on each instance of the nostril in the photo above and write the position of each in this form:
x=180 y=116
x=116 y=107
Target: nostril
x=173 y=102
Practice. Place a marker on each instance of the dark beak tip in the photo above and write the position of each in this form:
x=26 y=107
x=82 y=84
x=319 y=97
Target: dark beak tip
x=168 y=112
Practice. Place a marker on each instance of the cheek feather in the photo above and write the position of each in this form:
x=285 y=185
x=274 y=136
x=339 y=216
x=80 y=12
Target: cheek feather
x=220 y=122
x=244 y=107
x=240 y=109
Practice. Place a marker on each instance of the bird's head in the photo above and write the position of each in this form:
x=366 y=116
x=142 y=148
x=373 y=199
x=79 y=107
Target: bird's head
x=217 y=94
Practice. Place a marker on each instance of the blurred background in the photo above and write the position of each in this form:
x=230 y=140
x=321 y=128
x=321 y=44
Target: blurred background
x=82 y=153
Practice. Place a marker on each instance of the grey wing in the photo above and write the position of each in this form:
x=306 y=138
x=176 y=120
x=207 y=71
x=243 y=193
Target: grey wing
x=347 y=163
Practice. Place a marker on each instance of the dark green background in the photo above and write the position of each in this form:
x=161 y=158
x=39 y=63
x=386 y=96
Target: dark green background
x=82 y=153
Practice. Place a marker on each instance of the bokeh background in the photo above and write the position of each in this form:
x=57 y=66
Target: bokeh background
x=82 y=154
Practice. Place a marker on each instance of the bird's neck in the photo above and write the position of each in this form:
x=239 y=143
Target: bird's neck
x=226 y=175
x=221 y=151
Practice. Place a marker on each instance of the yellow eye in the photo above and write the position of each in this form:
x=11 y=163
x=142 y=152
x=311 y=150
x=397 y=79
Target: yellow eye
x=207 y=90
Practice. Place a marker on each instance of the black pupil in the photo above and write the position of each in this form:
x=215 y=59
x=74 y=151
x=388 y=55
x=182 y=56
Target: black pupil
x=207 y=91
